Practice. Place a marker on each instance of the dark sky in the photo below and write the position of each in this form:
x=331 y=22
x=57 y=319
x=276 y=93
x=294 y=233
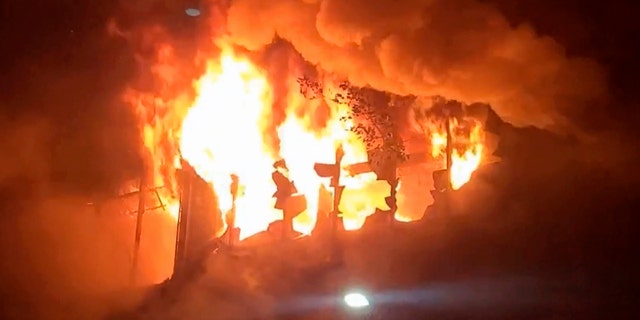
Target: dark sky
x=56 y=62
x=607 y=31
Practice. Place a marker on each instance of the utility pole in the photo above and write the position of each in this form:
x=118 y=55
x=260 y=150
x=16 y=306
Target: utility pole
x=449 y=155
x=449 y=147
x=232 y=231
x=333 y=171
x=336 y=219
x=182 y=230
x=138 y=235
x=442 y=178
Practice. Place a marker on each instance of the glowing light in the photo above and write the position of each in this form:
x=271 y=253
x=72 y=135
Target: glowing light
x=225 y=133
x=356 y=300
x=192 y=12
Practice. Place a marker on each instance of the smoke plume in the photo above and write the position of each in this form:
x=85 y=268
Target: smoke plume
x=461 y=49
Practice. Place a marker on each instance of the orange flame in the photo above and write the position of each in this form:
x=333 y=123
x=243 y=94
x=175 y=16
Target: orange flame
x=467 y=148
x=223 y=134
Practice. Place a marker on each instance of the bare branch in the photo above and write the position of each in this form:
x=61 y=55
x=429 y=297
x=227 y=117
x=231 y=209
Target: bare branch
x=374 y=123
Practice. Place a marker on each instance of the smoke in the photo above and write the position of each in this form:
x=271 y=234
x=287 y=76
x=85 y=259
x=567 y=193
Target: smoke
x=461 y=49
x=25 y=141
x=61 y=260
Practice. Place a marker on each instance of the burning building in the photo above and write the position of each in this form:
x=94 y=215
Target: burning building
x=240 y=109
x=225 y=135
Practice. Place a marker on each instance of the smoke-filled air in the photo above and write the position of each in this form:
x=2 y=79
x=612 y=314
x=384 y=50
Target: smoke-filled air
x=257 y=82
x=461 y=49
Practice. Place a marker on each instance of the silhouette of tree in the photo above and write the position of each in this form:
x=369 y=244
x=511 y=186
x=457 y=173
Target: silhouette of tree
x=372 y=112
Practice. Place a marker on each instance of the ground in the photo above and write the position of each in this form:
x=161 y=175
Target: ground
x=546 y=234
x=452 y=268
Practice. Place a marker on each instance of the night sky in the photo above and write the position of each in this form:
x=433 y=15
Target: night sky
x=57 y=63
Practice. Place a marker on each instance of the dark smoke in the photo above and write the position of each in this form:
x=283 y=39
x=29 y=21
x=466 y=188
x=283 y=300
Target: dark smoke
x=461 y=49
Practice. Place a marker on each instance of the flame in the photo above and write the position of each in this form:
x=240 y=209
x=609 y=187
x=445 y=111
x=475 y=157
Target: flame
x=223 y=135
x=467 y=139
x=153 y=138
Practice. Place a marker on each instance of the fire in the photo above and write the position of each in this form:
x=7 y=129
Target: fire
x=153 y=134
x=223 y=135
x=467 y=139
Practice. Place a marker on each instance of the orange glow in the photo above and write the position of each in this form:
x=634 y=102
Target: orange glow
x=226 y=129
x=467 y=149
x=222 y=136
x=223 y=133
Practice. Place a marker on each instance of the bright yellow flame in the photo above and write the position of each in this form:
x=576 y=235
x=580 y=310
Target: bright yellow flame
x=297 y=148
x=223 y=135
x=222 y=132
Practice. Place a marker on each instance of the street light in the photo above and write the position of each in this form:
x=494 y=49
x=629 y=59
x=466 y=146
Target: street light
x=356 y=300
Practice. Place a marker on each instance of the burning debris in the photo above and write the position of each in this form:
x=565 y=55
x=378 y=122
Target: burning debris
x=288 y=199
x=242 y=113
x=446 y=124
x=224 y=136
